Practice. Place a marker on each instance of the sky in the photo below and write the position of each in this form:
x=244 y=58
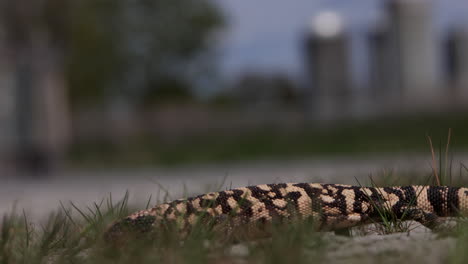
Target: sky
x=265 y=35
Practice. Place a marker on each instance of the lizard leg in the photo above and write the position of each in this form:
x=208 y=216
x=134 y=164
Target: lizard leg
x=427 y=219
x=332 y=222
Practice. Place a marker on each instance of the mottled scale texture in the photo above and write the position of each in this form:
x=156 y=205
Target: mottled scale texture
x=334 y=206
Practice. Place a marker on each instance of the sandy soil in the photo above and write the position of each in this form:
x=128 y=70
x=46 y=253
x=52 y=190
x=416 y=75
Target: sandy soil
x=420 y=245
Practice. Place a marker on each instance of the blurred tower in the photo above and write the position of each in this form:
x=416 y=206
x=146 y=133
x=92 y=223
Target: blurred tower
x=413 y=51
x=32 y=78
x=384 y=77
x=456 y=50
x=326 y=49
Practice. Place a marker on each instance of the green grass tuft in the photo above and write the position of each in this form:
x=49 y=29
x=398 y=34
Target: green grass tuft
x=76 y=235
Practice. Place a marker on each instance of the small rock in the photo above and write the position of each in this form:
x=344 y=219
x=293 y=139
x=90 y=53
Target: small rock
x=238 y=250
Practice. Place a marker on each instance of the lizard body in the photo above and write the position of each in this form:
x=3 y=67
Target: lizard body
x=335 y=206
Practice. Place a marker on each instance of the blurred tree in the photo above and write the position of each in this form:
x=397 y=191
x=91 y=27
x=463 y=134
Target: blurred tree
x=267 y=89
x=167 y=90
x=142 y=50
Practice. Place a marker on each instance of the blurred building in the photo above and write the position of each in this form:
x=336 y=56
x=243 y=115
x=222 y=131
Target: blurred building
x=456 y=51
x=413 y=52
x=33 y=104
x=384 y=79
x=328 y=66
x=404 y=67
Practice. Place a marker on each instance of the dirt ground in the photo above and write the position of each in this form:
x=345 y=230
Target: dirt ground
x=364 y=245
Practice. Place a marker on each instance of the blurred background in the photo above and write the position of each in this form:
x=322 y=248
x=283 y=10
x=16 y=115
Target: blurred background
x=99 y=96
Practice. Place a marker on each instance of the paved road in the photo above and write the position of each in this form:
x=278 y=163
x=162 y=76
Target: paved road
x=83 y=187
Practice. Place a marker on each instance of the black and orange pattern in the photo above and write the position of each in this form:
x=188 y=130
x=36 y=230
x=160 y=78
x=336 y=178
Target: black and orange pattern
x=334 y=206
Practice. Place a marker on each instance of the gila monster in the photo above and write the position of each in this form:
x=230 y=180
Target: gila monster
x=335 y=206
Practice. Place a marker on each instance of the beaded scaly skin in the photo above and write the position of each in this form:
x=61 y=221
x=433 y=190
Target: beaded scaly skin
x=334 y=206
